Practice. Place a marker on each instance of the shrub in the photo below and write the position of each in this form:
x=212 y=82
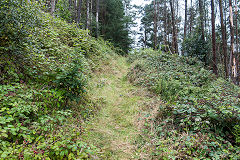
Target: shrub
x=45 y=64
x=195 y=46
x=197 y=103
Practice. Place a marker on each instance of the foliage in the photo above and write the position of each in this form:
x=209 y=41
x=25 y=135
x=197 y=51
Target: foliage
x=201 y=114
x=147 y=26
x=71 y=83
x=28 y=132
x=193 y=45
x=45 y=64
x=114 y=26
x=63 y=11
x=16 y=24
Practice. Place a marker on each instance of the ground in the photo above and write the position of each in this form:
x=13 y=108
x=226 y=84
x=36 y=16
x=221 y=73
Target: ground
x=118 y=124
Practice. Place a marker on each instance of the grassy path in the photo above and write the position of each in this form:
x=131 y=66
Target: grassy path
x=115 y=128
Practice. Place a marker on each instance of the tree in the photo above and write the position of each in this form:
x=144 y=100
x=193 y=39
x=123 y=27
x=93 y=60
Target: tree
x=237 y=54
x=213 y=39
x=147 y=26
x=87 y=14
x=97 y=18
x=201 y=18
x=174 y=34
x=79 y=12
x=155 y=24
x=232 y=60
x=224 y=42
x=52 y=7
x=114 y=24
x=185 y=22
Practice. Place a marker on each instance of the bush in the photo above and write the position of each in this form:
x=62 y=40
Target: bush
x=195 y=46
x=197 y=103
x=45 y=64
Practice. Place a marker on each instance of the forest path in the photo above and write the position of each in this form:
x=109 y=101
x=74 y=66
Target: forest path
x=115 y=128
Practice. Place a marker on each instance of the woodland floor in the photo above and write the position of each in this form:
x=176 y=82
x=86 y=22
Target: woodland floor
x=118 y=124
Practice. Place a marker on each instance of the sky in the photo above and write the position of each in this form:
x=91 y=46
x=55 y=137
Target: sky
x=138 y=20
x=140 y=2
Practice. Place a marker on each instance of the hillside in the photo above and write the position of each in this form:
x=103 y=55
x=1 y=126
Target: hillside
x=67 y=95
x=45 y=66
x=200 y=117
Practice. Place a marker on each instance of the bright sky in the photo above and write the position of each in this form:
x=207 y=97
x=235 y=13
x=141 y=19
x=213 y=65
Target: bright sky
x=140 y=2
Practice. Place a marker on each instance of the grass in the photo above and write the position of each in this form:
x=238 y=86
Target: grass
x=116 y=127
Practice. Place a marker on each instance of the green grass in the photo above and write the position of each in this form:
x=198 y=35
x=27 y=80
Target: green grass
x=114 y=128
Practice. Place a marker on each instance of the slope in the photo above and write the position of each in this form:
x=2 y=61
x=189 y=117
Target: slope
x=45 y=65
x=201 y=115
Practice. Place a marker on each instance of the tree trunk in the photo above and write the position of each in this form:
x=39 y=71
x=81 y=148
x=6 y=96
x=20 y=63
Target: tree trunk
x=75 y=10
x=103 y=17
x=201 y=19
x=236 y=54
x=52 y=7
x=158 y=25
x=185 y=22
x=176 y=24
x=79 y=9
x=145 y=37
x=155 y=25
x=174 y=36
x=97 y=18
x=165 y=23
x=232 y=61
x=191 y=18
x=224 y=42
x=213 y=39
x=87 y=14
x=90 y=14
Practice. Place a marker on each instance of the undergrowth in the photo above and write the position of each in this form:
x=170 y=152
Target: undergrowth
x=45 y=64
x=201 y=115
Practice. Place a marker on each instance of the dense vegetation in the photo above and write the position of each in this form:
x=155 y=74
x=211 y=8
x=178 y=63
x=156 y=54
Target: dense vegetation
x=45 y=64
x=106 y=18
x=63 y=88
x=200 y=118
x=206 y=29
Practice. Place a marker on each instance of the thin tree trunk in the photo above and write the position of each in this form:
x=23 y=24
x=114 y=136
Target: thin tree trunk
x=236 y=54
x=191 y=18
x=91 y=14
x=155 y=25
x=145 y=38
x=87 y=14
x=177 y=25
x=158 y=24
x=165 y=23
x=232 y=62
x=201 y=19
x=79 y=9
x=97 y=18
x=52 y=7
x=213 y=39
x=224 y=42
x=75 y=10
x=103 y=30
x=174 y=36
x=185 y=22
